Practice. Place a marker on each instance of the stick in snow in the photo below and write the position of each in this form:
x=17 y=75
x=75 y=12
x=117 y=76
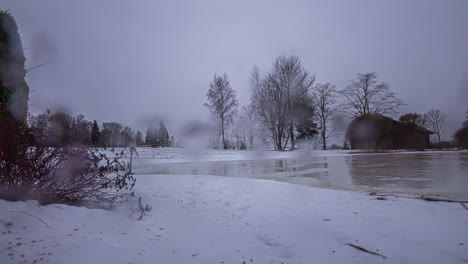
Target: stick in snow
x=365 y=250
x=435 y=199
x=32 y=216
x=464 y=206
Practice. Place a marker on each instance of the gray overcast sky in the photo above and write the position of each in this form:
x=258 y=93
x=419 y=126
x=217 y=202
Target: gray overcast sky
x=130 y=60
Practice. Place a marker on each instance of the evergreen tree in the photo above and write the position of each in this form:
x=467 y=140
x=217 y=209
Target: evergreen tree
x=158 y=137
x=304 y=121
x=150 y=136
x=95 y=133
x=14 y=91
x=163 y=139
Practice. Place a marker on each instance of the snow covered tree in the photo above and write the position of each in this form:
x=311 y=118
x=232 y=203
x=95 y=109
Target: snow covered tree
x=158 y=136
x=222 y=103
x=163 y=138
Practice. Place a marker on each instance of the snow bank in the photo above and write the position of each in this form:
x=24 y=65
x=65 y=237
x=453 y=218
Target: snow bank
x=205 y=219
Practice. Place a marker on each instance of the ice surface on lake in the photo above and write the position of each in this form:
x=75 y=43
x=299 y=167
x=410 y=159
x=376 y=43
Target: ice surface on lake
x=438 y=173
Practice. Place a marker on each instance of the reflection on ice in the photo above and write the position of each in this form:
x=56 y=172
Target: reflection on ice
x=444 y=173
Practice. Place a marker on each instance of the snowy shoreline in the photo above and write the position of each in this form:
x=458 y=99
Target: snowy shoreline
x=212 y=219
x=208 y=219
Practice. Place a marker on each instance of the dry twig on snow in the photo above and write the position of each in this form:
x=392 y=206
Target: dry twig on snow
x=365 y=250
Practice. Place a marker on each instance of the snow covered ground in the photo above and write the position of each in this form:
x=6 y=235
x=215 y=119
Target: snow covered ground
x=208 y=219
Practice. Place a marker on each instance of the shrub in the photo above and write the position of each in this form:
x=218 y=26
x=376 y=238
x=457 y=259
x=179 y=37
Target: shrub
x=70 y=175
x=335 y=147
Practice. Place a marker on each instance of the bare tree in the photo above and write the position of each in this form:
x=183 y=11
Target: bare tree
x=325 y=99
x=436 y=121
x=290 y=77
x=222 y=103
x=238 y=134
x=276 y=95
x=248 y=121
x=413 y=118
x=269 y=117
x=111 y=134
x=271 y=109
x=366 y=95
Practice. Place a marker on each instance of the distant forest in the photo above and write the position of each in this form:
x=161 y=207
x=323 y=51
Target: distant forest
x=58 y=129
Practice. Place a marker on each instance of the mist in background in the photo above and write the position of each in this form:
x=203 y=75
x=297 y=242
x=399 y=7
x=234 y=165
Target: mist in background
x=132 y=62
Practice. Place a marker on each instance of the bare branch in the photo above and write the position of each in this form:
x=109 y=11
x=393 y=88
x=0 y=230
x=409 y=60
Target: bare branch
x=366 y=96
x=325 y=99
x=222 y=103
x=277 y=95
x=38 y=66
x=437 y=122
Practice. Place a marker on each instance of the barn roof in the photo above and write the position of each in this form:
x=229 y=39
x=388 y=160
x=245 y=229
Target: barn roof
x=424 y=130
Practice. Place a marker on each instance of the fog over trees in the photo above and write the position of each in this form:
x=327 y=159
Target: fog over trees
x=57 y=129
x=156 y=136
x=250 y=123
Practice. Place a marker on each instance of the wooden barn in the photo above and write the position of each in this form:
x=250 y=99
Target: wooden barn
x=378 y=132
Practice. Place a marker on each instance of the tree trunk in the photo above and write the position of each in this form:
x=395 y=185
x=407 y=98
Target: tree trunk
x=279 y=143
x=291 y=131
x=222 y=131
x=324 y=140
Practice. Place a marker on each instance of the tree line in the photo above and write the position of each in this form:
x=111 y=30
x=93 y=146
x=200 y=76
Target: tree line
x=287 y=105
x=158 y=136
x=59 y=129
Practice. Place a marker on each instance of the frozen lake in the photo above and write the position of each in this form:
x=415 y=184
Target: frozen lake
x=437 y=173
